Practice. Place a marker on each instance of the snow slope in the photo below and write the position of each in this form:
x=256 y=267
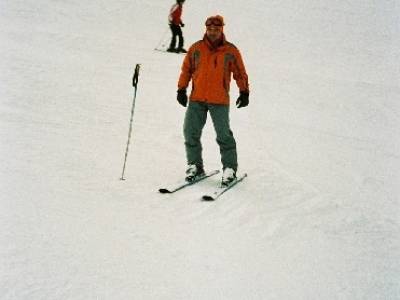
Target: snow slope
x=318 y=216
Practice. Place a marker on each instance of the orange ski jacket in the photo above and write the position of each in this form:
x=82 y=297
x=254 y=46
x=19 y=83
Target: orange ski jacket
x=210 y=70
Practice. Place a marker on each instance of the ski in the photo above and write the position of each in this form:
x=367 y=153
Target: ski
x=165 y=51
x=222 y=189
x=180 y=185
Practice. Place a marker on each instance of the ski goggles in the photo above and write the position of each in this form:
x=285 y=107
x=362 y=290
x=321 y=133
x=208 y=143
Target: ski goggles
x=214 y=21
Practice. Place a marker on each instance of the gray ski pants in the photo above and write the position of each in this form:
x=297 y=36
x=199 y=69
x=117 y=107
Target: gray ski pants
x=195 y=119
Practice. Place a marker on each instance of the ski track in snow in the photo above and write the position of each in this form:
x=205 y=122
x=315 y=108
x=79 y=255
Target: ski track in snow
x=318 y=215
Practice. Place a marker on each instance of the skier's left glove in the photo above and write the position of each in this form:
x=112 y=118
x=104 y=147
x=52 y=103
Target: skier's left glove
x=182 y=24
x=182 y=97
x=243 y=99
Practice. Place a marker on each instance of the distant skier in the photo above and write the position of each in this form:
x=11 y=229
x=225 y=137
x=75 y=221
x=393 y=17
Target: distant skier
x=209 y=64
x=175 y=24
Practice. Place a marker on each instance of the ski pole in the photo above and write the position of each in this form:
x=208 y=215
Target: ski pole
x=162 y=41
x=135 y=79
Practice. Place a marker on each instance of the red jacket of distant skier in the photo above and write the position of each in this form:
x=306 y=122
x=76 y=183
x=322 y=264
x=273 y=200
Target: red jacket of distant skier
x=175 y=14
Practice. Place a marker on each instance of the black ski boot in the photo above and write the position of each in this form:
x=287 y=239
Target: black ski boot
x=181 y=50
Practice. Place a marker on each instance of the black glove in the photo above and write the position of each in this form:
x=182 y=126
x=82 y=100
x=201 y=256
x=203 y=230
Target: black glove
x=182 y=25
x=243 y=99
x=182 y=97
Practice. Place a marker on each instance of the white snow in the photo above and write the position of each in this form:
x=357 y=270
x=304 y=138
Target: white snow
x=317 y=218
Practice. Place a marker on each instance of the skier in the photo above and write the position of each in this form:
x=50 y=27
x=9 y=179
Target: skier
x=175 y=24
x=209 y=63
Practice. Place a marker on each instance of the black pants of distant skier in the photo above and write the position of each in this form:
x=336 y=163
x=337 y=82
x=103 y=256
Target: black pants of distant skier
x=176 y=32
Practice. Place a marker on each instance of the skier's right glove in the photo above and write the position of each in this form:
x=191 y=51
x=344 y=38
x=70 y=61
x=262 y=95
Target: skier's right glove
x=182 y=97
x=182 y=24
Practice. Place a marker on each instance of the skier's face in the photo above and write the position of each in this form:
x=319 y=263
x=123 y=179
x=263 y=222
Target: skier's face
x=214 y=32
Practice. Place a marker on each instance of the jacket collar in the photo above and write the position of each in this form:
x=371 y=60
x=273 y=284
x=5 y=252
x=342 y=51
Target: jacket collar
x=217 y=44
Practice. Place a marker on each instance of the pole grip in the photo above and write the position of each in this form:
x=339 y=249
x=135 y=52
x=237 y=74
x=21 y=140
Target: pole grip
x=135 y=77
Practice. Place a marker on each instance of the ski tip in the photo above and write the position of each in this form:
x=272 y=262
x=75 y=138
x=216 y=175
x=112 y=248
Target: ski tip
x=207 y=198
x=164 y=191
